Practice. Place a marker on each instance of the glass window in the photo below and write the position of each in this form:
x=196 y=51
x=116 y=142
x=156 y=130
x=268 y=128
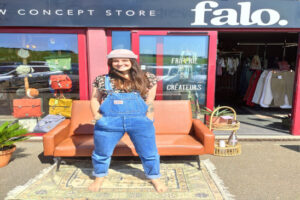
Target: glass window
x=27 y=58
x=180 y=64
x=121 y=40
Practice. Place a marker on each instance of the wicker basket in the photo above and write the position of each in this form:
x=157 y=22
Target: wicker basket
x=232 y=125
x=235 y=125
x=228 y=150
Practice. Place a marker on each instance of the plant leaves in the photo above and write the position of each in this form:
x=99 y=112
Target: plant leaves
x=12 y=132
x=3 y=127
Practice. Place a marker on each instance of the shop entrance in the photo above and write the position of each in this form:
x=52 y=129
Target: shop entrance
x=255 y=75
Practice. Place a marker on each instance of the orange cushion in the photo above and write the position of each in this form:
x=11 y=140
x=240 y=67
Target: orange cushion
x=82 y=116
x=83 y=145
x=170 y=117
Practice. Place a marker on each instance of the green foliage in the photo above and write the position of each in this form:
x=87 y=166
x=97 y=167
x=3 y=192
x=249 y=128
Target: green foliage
x=218 y=113
x=10 y=133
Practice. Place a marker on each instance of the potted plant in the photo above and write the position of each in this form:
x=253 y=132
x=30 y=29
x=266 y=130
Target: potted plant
x=221 y=115
x=10 y=133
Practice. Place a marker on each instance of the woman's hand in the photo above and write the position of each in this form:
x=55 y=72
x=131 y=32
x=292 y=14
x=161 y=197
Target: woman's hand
x=98 y=116
x=95 y=105
x=150 y=115
x=149 y=102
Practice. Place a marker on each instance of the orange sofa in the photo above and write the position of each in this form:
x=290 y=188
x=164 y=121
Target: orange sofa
x=177 y=133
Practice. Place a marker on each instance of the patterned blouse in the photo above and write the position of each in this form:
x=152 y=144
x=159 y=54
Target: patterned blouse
x=99 y=83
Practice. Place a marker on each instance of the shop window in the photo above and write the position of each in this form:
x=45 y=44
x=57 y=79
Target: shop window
x=121 y=40
x=35 y=57
x=180 y=64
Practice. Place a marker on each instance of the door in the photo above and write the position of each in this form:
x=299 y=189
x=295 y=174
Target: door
x=184 y=63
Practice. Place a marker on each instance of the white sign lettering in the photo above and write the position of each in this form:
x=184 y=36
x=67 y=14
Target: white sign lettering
x=2 y=12
x=49 y=12
x=229 y=16
x=183 y=87
x=130 y=13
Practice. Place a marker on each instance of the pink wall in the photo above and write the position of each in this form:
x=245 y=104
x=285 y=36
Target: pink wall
x=96 y=54
x=296 y=103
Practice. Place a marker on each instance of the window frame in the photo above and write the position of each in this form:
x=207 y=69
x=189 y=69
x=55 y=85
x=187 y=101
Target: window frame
x=82 y=56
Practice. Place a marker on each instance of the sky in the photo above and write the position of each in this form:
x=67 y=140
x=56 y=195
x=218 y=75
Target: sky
x=39 y=42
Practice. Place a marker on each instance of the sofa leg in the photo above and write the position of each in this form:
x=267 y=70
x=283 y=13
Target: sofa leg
x=58 y=162
x=198 y=161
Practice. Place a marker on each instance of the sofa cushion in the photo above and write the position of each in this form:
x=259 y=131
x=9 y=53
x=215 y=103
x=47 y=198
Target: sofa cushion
x=167 y=145
x=172 y=117
x=82 y=116
x=83 y=145
x=77 y=145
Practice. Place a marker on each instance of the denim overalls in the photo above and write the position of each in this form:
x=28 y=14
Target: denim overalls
x=124 y=112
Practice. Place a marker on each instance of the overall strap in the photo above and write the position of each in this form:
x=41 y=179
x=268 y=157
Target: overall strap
x=107 y=83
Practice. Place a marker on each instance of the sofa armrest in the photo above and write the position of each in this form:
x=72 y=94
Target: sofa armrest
x=204 y=135
x=55 y=136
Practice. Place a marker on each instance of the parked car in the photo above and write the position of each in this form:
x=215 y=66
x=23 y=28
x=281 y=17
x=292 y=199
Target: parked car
x=38 y=79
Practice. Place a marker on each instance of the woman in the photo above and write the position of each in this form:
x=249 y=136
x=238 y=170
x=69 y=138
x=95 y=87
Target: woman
x=122 y=101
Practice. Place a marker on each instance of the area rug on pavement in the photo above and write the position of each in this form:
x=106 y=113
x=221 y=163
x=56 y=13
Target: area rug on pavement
x=126 y=181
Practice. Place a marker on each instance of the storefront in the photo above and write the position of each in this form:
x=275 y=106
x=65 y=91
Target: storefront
x=180 y=43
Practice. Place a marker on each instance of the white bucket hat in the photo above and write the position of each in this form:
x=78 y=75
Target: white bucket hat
x=121 y=53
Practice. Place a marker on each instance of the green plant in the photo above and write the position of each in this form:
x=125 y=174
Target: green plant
x=10 y=133
x=218 y=113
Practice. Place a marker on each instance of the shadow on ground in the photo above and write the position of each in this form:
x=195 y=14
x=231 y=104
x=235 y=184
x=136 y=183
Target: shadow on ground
x=292 y=147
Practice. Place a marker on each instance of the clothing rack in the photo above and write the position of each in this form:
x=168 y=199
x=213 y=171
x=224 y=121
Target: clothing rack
x=232 y=53
x=268 y=44
x=283 y=44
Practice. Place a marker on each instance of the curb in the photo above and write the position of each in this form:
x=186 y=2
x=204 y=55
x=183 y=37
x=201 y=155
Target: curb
x=260 y=138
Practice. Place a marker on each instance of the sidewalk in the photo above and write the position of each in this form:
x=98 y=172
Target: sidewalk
x=264 y=170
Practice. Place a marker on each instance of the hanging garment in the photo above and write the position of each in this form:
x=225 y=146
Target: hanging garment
x=252 y=79
x=289 y=76
x=283 y=65
x=286 y=104
x=220 y=65
x=266 y=97
x=230 y=66
x=245 y=77
x=257 y=74
x=278 y=87
x=255 y=63
x=236 y=63
x=259 y=87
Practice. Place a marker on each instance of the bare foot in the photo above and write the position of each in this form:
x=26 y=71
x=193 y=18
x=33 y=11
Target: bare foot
x=158 y=185
x=96 y=185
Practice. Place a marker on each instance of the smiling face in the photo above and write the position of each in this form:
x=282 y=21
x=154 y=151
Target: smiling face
x=121 y=64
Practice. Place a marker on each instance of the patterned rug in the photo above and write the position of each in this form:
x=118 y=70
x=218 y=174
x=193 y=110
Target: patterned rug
x=126 y=181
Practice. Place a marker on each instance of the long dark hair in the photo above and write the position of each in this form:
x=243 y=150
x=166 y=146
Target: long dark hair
x=138 y=79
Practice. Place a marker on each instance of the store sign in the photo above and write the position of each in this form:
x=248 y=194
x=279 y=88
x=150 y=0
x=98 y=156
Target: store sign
x=150 y=13
x=228 y=16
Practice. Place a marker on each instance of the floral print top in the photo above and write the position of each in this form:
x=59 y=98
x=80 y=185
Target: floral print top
x=99 y=83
